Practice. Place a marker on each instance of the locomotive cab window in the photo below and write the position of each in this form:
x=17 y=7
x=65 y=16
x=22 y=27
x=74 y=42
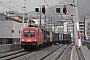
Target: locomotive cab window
x=29 y=33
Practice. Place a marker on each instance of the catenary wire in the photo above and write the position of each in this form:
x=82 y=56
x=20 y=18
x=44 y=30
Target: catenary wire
x=51 y=9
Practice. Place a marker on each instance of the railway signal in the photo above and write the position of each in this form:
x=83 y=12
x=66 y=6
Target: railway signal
x=64 y=10
x=57 y=10
x=43 y=9
x=36 y=9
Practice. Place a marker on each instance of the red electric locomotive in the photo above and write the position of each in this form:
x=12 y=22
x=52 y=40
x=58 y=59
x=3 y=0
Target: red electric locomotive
x=31 y=37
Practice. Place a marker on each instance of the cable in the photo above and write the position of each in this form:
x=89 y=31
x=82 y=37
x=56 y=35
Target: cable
x=29 y=5
x=64 y=2
x=6 y=4
x=15 y=3
x=10 y=7
x=18 y=5
x=51 y=9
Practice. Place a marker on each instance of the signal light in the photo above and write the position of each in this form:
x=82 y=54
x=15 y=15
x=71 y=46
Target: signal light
x=36 y=9
x=57 y=10
x=64 y=10
x=43 y=9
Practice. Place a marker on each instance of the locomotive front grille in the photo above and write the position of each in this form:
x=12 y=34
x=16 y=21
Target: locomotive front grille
x=27 y=43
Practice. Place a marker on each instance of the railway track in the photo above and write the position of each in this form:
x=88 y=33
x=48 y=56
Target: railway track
x=12 y=55
x=47 y=53
x=54 y=55
x=36 y=55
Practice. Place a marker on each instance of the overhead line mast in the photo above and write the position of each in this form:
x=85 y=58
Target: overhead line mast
x=76 y=23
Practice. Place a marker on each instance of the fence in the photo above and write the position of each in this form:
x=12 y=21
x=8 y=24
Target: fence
x=9 y=47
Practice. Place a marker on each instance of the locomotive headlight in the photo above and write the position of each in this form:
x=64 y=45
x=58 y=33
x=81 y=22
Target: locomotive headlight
x=35 y=40
x=22 y=39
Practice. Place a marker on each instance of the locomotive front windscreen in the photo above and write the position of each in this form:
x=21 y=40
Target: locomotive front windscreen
x=29 y=33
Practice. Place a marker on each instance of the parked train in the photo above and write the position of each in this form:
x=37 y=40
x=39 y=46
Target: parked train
x=33 y=37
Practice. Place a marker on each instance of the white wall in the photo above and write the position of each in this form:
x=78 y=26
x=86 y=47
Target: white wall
x=16 y=27
x=6 y=28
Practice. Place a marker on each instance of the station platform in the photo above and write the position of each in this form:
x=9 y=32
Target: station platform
x=86 y=52
x=82 y=53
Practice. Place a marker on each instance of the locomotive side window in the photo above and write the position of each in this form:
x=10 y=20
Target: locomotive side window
x=29 y=33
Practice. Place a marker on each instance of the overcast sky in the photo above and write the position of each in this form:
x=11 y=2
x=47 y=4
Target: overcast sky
x=83 y=8
x=18 y=4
